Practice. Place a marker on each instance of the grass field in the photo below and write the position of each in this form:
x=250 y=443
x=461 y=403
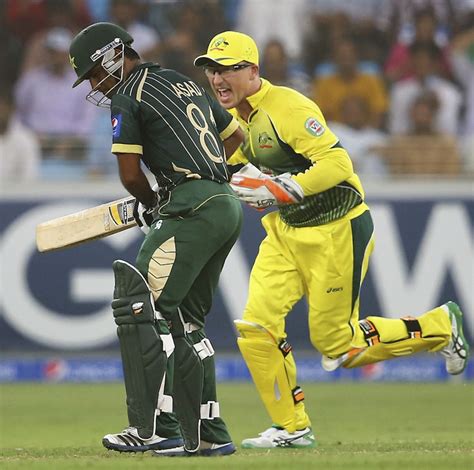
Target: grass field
x=358 y=426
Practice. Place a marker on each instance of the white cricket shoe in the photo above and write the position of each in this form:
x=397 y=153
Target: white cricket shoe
x=129 y=441
x=279 y=437
x=456 y=352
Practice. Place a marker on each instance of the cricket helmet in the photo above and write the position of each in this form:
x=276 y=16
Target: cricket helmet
x=97 y=42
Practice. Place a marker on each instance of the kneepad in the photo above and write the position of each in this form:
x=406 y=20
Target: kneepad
x=273 y=371
x=145 y=346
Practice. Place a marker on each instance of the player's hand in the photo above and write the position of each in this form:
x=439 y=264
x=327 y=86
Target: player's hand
x=265 y=191
x=145 y=216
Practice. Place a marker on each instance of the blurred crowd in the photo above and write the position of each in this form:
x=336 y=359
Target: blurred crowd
x=394 y=78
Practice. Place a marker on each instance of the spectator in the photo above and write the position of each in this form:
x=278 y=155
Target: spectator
x=182 y=46
x=46 y=103
x=64 y=14
x=397 y=18
x=425 y=64
x=277 y=68
x=19 y=149
x=125 y=13
x=462 y=58
x=424 y=150
x=10 y=52
x=331 y=90
x=331 y=21
x=280 y=19
x=361 y=140
x=399 y=64
x=422 y=114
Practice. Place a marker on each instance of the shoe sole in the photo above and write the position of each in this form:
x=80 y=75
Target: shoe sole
x=220 y=451
x=287 y=446
x=137 y=449
x=290 y=446
x=123 y=448
x=458 y=316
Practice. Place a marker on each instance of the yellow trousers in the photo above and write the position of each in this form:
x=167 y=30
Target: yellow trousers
x=327 y=265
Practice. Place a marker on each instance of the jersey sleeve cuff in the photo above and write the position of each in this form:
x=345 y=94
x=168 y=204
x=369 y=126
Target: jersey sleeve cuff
x=230 y=129
x=127 y=148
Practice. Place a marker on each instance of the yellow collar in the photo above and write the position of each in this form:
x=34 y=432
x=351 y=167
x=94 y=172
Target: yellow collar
x=255 y=99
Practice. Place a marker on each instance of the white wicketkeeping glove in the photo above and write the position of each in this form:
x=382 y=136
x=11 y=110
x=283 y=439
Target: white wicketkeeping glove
x=145 y=216
x=261 y=191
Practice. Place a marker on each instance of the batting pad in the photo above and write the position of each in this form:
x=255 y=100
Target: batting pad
x=274 y=374
x=144 y=355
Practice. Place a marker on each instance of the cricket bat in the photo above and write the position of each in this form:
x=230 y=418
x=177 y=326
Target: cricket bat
x=89 y=224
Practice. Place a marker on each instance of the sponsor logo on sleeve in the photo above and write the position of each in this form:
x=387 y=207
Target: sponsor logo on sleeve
x=314 y=127
x=116 y=124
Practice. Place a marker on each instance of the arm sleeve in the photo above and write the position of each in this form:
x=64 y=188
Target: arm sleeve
x=307 y=134
x=126 y=133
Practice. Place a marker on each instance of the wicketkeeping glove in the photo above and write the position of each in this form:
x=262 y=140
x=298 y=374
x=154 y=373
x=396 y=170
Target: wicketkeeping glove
x=145 y=216
x=261 y=191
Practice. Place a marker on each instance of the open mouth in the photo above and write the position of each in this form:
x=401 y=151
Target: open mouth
x=224 y=93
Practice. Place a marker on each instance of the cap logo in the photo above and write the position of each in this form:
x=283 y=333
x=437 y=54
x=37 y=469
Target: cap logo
x=72 y=61
x=219 y=45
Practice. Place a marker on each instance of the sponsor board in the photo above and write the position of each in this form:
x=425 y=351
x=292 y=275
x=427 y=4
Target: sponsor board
x=60 y=301
x=415 y=369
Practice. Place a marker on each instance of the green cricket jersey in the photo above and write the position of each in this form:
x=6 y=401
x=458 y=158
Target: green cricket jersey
x=286 y=132
x=174 y=125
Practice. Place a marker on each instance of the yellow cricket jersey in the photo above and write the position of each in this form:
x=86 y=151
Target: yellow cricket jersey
x=286 y=132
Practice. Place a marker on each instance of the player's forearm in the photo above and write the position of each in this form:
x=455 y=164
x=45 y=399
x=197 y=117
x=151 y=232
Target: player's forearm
x=140 y=188
x=134 y=180
x=325 y=173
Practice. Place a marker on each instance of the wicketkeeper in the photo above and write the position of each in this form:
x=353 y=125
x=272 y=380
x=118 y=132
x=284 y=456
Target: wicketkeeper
x=318 y=245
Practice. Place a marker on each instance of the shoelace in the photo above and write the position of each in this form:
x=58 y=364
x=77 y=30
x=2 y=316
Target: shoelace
x=458 y=347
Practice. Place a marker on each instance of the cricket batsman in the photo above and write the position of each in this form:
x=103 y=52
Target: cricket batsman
x=317 y=245
x=191 y=219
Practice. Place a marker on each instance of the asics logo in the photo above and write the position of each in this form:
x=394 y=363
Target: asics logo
x=334 y=289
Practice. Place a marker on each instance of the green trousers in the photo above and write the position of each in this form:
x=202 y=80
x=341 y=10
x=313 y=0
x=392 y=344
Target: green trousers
x=183 y=255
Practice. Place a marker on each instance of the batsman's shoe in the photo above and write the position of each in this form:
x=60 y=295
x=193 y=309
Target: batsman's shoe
x=456 y=352
x=129 y=441
x=279 y=437
x=211 y=449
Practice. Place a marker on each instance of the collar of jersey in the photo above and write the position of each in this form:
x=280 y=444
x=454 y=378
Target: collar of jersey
x=255 y=99
x=141 y=66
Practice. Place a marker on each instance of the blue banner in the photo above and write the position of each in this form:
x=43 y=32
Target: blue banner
x=60 y=301
x=414 y=369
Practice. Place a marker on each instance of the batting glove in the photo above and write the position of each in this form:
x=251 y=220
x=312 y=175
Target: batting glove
x=145 y=216
x=261 y=191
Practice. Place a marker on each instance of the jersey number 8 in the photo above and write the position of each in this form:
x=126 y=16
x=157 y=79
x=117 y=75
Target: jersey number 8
x=203 y=131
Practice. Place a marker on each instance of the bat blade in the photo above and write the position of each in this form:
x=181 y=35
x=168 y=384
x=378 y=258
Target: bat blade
x=86 y=225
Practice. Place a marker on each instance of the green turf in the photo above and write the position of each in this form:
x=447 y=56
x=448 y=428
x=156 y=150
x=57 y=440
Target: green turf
x=358 y=426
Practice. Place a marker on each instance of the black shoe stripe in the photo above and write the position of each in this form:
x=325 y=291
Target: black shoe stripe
x=139 y=441
x=125 y=440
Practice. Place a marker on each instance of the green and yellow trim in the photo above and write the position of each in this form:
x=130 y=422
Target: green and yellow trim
x=140 y=86
x=229 y=130
x=127 y=148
